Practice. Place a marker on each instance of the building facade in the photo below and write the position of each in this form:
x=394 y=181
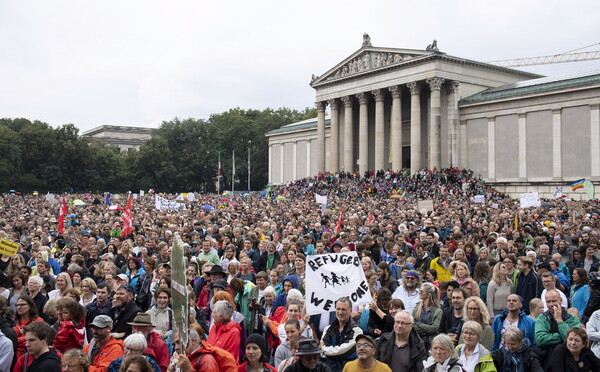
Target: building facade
x=125 y=138
x=405 y=108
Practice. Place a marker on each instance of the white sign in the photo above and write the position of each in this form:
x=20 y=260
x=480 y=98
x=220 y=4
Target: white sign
x=142 y=192
x=331 y=276
x=531 y=199
x=321 y=199
x=479 y=199
x=425 y=205
x=163 y=204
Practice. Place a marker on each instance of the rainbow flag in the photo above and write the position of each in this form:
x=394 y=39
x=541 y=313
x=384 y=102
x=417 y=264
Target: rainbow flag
x=577 y=184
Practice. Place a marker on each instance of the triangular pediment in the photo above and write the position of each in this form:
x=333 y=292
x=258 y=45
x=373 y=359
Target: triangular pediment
x=367 y=60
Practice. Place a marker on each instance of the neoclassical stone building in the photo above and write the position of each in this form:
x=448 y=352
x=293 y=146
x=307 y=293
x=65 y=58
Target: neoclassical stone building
x=405 y=108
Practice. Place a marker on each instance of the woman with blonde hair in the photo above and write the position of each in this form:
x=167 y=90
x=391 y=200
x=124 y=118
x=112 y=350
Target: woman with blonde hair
x=498 y=289
x=427 y=313
x=476 y=310
x=88 y=291
x=63 y=283
x=461 y=272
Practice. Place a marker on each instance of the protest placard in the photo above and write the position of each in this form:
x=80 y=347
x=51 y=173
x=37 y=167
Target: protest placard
x=530 y=199
x=8 y=248
x=331 y=276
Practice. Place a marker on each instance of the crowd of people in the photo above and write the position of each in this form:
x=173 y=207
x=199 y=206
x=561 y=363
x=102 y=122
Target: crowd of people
x=473 y=284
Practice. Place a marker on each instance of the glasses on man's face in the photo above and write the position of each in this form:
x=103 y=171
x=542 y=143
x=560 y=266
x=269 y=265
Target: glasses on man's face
x=403 y=324
x=365 y=345
x=411 y=278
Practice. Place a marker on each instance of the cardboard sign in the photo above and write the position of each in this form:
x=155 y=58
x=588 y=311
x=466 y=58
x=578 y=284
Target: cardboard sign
x=8 y=248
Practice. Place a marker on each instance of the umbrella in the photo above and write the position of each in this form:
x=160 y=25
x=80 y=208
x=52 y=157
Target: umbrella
x=115 y=208
x=233 y=204
x=78 y=202
x=281 y=197
x=72 y=215
x=12 y=191
x=207 y=207
x=224 y=199
x=36 y=193
x=396 y=196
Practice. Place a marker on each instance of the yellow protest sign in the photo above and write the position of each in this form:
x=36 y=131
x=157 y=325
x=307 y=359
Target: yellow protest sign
x=8 y=248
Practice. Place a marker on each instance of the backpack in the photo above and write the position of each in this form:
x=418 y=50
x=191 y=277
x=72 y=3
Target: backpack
x=225 y=360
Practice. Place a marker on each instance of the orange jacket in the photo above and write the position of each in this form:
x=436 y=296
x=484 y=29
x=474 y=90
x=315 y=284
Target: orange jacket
x=109 y=352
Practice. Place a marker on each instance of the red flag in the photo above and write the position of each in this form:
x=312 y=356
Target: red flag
x=127 y=220
x=371 y=218
x=61 y=215
x=338 y=227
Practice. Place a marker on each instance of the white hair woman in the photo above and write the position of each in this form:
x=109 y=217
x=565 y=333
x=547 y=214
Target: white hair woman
x=516 y=353
x=134 y=345
x=443 y=356
x=225 y=333
x=471 y=354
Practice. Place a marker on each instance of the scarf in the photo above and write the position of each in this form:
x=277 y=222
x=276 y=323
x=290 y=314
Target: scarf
x=513 y=362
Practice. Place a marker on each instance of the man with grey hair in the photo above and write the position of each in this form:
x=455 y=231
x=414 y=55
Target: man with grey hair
x=225 y=333
x=402 y=349
x=197 y=355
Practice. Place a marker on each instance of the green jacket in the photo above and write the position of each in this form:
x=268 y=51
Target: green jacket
x=485 y=363
x=544 y=337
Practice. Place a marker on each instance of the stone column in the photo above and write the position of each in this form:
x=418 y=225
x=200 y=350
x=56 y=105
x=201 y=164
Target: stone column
x=595 y=139
x=491 y=149
x=396 y=130
x=295 y=157
x=334 y=132
x=308 y=167
x=453 y=89
x=522 y=147
x=281 y=145
x=462 y=159
x=379 y=130
x=556 y=148
x=348 y=135
x=415 y=126
x=320 y=137
x=270 y=163
x=435 y=123
x=363 y=133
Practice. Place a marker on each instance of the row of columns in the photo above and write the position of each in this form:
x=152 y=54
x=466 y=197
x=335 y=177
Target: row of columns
x=434 y=128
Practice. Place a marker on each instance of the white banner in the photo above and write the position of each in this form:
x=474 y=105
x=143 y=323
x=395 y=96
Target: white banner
x=331 y=276
x=321 y=199
x=479 y=199
x=163 y=204
x=531 y=199
x=424 y=206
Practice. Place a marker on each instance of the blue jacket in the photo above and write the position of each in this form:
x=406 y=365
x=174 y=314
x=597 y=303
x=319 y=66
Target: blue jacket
x=281 y=300
x=580 y=295
x=526 y=325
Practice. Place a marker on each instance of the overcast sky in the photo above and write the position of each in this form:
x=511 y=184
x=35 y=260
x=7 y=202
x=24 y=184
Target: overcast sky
x=138 y=63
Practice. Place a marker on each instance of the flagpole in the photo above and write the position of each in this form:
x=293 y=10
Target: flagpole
x=232 y=171
x=219 y=175
x=249 y=144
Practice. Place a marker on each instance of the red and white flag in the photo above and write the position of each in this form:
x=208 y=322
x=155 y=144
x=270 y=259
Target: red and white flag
x=338 y=227
x=61 y=215
x=371 y=218
x=127 y=220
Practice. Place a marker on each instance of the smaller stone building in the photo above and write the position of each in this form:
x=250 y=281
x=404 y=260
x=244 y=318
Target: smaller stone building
x=125 y=138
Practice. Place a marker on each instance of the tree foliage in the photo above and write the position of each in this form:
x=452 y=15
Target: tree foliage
x=181 y=156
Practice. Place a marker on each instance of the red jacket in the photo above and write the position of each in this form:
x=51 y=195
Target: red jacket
x=202 y=361
x=113 y=349
x=159 y=351
x=69 y=336
x=21 y=335
x=226 y=336
x=242 y=367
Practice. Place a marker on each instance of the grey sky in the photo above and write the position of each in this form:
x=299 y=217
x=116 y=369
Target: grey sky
x=140 y=62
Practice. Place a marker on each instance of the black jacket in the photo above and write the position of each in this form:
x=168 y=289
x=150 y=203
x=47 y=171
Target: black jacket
x=346 y=343
x=418 y=352
x=531 y=363
x=263 y=260
x=7 y=328
x=299 y=367
x=562 y=361
x=47 y=362
x=123 y=315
